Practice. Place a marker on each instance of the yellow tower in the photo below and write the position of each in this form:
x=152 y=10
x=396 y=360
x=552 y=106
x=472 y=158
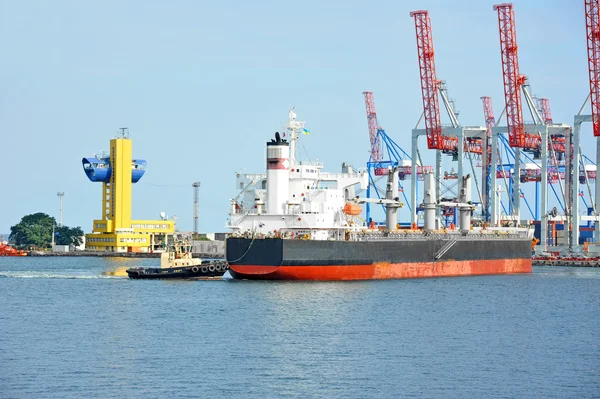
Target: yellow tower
x=117 y=193
x=116 y=231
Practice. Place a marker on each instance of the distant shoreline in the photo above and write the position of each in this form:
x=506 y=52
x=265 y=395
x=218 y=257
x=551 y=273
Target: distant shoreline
x=142 y=255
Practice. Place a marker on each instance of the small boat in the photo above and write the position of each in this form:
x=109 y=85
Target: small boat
x=177 y=263
x=7 y=250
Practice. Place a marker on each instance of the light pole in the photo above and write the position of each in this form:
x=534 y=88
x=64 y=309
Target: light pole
x=52 y=245
x=60 y=199
x=196 y=186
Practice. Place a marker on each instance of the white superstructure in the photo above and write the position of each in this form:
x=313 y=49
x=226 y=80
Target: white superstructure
x=293 y=194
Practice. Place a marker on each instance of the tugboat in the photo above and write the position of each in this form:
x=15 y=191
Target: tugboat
x=177 y=263
x=7 y=250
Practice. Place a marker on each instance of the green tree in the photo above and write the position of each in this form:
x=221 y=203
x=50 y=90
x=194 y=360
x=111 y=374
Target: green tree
x=36 y=229
x=65 y=235
x=198 y=237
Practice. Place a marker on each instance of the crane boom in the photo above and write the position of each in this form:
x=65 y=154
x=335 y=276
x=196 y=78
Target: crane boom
x=430 y=85
x=510 y=73
x=513 y=80
x=544 y=106
x=375 y=150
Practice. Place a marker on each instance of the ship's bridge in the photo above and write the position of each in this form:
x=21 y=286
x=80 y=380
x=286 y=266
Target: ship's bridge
x=315 y=164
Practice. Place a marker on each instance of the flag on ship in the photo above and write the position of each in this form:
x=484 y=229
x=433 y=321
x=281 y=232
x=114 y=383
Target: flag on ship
x=304 y=131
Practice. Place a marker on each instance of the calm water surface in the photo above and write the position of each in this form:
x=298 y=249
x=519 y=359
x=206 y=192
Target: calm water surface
x=68 y=329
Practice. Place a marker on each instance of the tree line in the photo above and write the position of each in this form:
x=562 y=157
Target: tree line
x=35 y=230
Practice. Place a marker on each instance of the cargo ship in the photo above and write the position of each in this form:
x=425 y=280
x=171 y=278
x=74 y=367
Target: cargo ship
x=296 y=222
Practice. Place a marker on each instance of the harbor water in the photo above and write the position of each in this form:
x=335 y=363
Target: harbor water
x=73 y=328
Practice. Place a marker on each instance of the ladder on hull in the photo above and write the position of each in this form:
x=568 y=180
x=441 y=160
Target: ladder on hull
x=444 y=249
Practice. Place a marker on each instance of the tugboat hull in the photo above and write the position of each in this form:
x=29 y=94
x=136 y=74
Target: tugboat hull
x=211 y=270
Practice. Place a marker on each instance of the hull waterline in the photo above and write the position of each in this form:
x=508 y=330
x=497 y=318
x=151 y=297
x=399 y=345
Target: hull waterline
x=382 y=271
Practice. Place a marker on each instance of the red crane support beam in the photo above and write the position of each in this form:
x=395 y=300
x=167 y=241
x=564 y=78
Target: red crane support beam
x=375 y=149
x=593 y=44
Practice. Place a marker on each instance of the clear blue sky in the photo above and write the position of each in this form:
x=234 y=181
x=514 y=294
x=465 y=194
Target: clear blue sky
x=202 y=85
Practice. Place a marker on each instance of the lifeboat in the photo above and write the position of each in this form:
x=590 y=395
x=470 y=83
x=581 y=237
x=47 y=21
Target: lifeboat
x=352 y=209
x=7 y=250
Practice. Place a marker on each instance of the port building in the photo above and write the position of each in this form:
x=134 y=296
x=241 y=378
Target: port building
x=115 y=231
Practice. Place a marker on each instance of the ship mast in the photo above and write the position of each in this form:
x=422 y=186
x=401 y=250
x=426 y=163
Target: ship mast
x=293 y=128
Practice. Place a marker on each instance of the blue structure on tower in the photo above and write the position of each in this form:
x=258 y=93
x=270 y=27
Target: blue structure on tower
x=99 y=170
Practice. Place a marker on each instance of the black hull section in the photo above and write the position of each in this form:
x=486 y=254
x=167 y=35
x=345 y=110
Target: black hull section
x=280 y=252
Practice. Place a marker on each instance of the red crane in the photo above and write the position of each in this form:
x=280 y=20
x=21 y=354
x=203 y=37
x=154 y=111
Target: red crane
x=544 y=106
x=430 y=85
x=473 y=145
x=488 y=112
x=490 y=122
x=513 y=80
x=376 y=152
x=592 y=23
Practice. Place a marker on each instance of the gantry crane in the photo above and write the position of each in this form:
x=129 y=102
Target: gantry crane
x=592 y=22
x=531 y=170
x=449 y=141
x=384 y=154
x=513 y=82
x=530 y=138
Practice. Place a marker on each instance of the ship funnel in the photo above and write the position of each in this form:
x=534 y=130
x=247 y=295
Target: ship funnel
x=278 y=175
x=429 y=202
x=465 y=209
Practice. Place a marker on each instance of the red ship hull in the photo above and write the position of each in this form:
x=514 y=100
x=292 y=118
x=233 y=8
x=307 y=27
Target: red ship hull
x=381 y=271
